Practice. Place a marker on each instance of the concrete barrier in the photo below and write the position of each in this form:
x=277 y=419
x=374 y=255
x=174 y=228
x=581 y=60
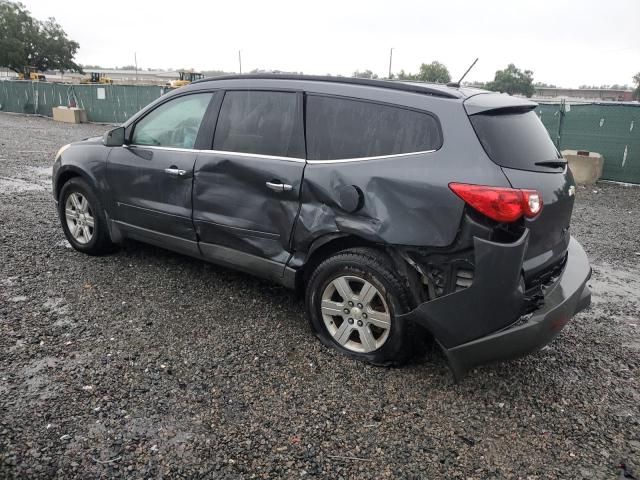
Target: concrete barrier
x=69 y=114
x=585 y=166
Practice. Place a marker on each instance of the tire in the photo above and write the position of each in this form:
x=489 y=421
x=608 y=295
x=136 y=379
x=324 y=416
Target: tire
x=79 y=206
x=335 y=327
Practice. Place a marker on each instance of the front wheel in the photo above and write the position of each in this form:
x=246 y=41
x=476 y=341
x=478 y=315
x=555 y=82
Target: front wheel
x=83 y=219
x=353 y=299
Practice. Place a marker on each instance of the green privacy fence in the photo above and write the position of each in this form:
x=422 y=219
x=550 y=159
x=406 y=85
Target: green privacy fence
x=610 y=129
x=103 y=103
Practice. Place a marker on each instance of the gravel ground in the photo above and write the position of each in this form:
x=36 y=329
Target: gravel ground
x=148 y=364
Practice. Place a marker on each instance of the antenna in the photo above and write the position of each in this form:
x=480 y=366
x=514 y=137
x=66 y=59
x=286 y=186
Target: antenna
x=457 y=84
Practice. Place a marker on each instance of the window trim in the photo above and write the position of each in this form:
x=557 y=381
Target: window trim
x=375 y=102
x=364 y=159
x=217 y=152
x=215 y=106
x=300 y=119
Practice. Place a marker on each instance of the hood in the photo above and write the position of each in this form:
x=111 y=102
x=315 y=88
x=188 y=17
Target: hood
x=89 y=141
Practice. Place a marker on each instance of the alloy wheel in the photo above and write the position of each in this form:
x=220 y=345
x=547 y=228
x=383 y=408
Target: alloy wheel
x=355 y=314
x=79 y=217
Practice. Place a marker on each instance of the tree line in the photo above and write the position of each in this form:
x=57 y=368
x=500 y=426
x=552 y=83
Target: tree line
x=511 y=80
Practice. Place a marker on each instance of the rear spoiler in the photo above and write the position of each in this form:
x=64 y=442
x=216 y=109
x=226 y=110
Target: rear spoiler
x=484 y=102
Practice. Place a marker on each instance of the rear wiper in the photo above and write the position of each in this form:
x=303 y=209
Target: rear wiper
x=552 y=163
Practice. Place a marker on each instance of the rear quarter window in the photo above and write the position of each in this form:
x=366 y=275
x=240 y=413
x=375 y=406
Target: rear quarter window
x=340 y=128
x=514 y=139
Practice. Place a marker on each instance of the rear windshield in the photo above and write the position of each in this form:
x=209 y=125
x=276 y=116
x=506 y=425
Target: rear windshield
x=515 y=139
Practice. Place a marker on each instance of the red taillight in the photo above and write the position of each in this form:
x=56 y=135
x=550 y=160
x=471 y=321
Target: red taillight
x=500 y=203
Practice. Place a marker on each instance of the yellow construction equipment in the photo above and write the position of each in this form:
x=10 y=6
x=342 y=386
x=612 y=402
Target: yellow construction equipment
x=33 y=73
x=95 y=77
x=185 y=78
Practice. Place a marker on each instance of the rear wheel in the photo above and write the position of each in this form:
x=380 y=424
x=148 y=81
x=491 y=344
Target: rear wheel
x=353 y=299
x=83 y=219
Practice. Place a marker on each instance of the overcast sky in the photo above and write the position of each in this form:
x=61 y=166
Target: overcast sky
x=567 y=43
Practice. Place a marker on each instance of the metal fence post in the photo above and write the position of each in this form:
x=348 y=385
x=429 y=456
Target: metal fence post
x=560 y=123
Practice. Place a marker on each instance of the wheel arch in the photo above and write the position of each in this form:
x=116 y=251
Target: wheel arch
x=325 y=246
x=330 y=244
x=68 y=172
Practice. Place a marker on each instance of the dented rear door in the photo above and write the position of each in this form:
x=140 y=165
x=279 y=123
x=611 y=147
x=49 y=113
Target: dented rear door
x=246 y=189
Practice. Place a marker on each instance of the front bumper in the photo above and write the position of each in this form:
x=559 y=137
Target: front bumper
x=483 y=323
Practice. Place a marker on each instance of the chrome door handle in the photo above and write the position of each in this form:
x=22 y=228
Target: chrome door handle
x=175 y=172
x=279 y=187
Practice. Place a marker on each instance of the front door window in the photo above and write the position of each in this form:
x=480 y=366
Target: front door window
x=173 y=124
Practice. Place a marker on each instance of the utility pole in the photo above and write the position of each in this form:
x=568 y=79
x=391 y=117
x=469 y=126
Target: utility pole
x=390 y=60
x=240 y=60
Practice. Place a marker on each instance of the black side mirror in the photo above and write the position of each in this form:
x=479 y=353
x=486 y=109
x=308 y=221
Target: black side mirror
x=114 y=137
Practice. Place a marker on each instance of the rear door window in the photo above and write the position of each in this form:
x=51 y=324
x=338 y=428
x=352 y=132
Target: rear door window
x=262 y=122
x=340 y=128
x=515 y=139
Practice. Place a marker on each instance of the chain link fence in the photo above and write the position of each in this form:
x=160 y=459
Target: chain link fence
x=612 y=130
x=103 y=103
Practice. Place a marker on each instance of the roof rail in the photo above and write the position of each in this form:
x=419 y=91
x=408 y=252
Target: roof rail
x=407 y=87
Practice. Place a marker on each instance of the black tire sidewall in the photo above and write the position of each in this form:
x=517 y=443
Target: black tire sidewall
x=97 y=243
x=394 y=350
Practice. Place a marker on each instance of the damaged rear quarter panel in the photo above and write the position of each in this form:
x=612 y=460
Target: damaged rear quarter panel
x=407 y=200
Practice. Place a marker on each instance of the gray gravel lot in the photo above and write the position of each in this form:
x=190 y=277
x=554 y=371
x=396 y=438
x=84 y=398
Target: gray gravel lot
x=148 y=364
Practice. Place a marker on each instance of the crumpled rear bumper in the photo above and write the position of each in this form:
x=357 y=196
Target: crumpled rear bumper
x=483 y=323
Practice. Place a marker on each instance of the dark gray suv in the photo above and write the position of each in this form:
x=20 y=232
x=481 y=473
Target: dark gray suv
x=400 y=209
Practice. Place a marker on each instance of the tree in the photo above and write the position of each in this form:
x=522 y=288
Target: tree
x=402 y=75
x=28 y=42
x=434 y=72
x=636 y=80
x=54 y=51
x=365 y=74
x=512 y=80
x=16 y=31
